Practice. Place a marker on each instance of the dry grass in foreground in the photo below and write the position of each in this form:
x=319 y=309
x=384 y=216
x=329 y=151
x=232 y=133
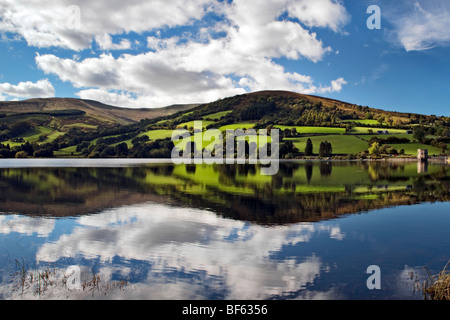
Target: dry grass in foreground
x=51 y=284
x=437 y=287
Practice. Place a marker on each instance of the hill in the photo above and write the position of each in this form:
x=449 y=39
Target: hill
x=83 y=128
x=96 y=112
x=290 y=108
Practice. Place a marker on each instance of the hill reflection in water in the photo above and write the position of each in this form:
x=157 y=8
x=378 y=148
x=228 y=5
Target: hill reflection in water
x=300 y=192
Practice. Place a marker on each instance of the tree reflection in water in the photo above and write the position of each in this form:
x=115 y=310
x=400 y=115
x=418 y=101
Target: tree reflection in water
x=301 y=191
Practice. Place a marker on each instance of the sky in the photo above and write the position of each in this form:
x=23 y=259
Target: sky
x=148 y=54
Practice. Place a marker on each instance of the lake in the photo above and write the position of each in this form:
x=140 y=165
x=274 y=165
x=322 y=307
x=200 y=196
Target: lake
x=139 y=229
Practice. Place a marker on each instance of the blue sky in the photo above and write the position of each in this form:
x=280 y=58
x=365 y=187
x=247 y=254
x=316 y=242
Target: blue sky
x=155 y=53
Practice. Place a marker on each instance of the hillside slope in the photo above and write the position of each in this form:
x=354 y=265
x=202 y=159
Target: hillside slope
x=93 y=109
x=84 y=128
x=290 y=108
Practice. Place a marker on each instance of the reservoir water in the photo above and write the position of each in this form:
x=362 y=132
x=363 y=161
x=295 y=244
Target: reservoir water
x=154 y=230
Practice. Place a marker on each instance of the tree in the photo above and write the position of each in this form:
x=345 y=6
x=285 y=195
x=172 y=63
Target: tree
x=20 y=127
x=419 y=133
x=21 y=154
x=445 y=133
x=349 y=127
x=287 y=132
x=375 y=149
x=121 y=149
x=309 y=148
x=325 y=149
x=43 y=153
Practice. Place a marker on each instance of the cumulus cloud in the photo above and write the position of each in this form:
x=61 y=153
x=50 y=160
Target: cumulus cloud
x=319 y=13
x=235 y=53
x=40 y=89
x=49 y=23
x=335 y=86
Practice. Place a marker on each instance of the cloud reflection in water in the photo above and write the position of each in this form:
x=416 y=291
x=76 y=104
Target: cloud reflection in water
x=193 y=253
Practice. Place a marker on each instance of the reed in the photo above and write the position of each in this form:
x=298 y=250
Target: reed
x=437 y=287
x=41 y=282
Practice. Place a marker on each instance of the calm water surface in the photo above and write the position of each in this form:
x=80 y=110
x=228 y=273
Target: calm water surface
x=221 y=232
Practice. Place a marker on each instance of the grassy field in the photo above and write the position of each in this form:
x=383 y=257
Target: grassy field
x=364 y=122
x=152 y=134
x=189 y=124
x=342 y=144
x=32 y=136
x=306 y=130
x=157 y=134
x=66 y=152
x=52 y=136
x=236 y=126
x=367 y=137
x=357 y=130
x=217 y=115
x=411 y=148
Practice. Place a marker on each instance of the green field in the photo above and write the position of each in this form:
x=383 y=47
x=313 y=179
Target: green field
x=306 y=130
x=66 y=152
x=52 y=136
x=157 y=134
x=369 y=136
x=342 y=144
x=32 y=136
x=364 y=122
x=217 y=115
x=356 y=130
x=349 y=144
x=236 y=126
x=411 y=148
x=190 y=124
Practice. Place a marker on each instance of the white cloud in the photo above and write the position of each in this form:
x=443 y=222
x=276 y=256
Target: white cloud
x=335 y=86
x=45 y=23
x=190 y=73
x=320 y=13
x=105 y=43
x=263 y=34
x=420 y=25
x=188 y=68
x=40 y=89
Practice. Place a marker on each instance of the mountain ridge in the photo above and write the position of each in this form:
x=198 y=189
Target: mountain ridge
x=92 y=108
x=123 y=115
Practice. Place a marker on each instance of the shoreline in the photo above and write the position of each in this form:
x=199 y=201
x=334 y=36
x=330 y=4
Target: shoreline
x=113 y=162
